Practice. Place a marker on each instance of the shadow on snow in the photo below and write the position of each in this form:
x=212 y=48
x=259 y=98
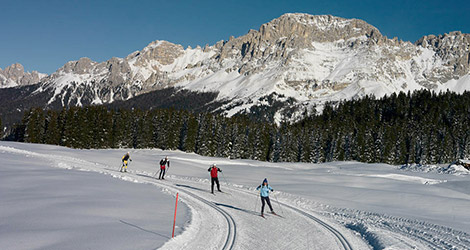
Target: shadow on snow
x=143 y=229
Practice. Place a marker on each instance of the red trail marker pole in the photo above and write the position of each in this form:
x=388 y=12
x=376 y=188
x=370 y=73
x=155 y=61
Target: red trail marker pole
x=174 y=218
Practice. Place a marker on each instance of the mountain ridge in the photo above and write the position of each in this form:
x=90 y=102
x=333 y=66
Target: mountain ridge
x=306 y=58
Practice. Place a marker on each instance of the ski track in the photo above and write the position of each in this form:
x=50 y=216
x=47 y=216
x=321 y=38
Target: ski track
x=344 y=242
x=431 y=235
x=231 y=225
x=394 y=232
x=66 y=162
x=340 y=237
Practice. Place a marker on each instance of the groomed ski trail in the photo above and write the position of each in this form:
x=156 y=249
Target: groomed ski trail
x=340 y=237
x=215 y=217
x=195 y=236
x=228 y=220
x=231 y=227
x=325 y=236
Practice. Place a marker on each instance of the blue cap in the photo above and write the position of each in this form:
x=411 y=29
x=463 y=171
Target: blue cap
x=265 y=180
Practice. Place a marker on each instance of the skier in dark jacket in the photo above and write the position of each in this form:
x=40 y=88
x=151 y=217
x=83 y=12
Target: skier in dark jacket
x=125 y=160
x=163 y=164
x=214 y=169
x=264 y=194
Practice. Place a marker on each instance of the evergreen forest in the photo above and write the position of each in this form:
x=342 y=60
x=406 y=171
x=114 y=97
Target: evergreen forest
x=423 y=127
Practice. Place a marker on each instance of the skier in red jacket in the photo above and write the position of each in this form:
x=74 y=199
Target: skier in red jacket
x=214 y=169
x=163 y=164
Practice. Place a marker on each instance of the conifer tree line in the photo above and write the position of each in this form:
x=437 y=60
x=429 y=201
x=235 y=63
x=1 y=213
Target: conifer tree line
x=98 y=127
x=423 y=127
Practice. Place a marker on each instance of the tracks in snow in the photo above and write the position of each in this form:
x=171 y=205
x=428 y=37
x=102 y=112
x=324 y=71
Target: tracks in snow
x=230 y=239
x=407 y=231
x=388 y=228
x=343 y=241
x=67 y=162
x=346 y=245
x=231 y=225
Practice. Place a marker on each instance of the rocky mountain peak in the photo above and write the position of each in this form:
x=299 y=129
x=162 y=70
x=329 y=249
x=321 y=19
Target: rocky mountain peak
x=83 y=66
x=452 y=47
x=162 y=51
x=14 y=75
x=14 y=71
x=320 y=28
x=293 y=32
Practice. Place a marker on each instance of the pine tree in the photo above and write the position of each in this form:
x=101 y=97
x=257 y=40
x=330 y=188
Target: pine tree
x=237 y=138
x=35 y=130
x=190 y=134
x=221 y=140
x=127 y=128
x=145 y=130
x=276 y=148
x=174 y=124
x=52 y=129
x=135 y=129
x=263 y=142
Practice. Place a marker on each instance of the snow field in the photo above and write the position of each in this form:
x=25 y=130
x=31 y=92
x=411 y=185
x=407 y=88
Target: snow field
x=51 y=208
x=371 y=206
x=211 y=230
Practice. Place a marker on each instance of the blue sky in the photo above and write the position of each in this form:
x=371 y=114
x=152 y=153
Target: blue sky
x=45 y=34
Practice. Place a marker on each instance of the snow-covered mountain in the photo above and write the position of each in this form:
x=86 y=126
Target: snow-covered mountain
x=300 y=59
x=14 y=75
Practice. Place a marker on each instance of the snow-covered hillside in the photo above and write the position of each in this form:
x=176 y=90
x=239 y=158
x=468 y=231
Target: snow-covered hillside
x=312 y=59
x=342 y=205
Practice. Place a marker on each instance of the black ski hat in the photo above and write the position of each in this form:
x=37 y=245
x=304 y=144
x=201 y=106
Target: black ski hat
x=265 y=180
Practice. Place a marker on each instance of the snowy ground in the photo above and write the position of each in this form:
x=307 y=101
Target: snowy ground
x=342 y=205
x=51 y=208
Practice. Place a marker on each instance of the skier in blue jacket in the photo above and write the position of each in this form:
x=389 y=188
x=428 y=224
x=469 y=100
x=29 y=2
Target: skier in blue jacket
x=264 y=193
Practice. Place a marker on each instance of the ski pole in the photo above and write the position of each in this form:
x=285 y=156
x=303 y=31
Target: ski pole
x=156 y=173
x=223 y=176
x=275 y=197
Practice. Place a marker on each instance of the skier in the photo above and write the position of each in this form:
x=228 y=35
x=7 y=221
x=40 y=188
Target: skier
x=125 y=159
x=163 y=164
x=264 y=193
x=214 y=169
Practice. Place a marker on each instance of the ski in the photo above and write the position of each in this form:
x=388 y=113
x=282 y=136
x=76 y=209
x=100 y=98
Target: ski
x=273 y=213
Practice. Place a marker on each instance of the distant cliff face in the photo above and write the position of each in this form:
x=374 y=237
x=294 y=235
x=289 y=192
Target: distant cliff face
x=14 y=75
x=454 y=51
x=298 y=59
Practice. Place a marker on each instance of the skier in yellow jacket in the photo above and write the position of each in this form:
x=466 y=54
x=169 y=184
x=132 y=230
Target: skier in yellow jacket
x=125 y=159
